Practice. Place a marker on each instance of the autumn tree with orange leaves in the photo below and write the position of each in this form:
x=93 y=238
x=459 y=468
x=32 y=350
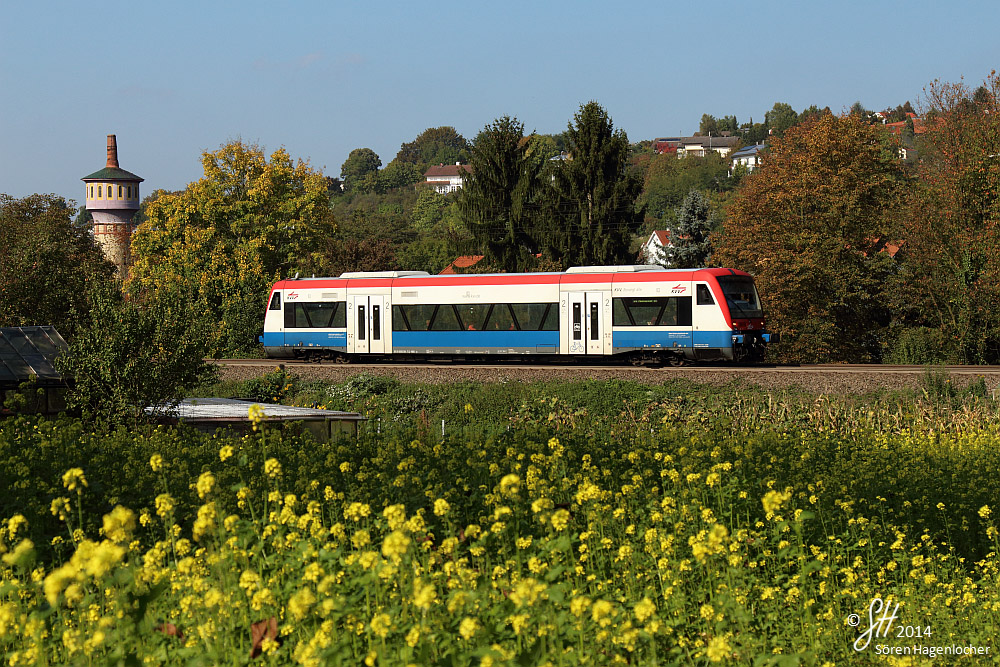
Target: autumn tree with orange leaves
x=811 y=225
x=949 y=287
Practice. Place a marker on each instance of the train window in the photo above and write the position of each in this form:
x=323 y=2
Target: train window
x=376 y=324
x=362 y=323
x=315 y=315
x=536 y=316
x=446 y=319
x=119 y=192
x=577 y=322
x=473 y=316
x=741 y=295
x=705 y=296
x=99 y=195
x=275 y=302
x=651 y=311
x=412 y=318
x=594 y=333
x=501 y=318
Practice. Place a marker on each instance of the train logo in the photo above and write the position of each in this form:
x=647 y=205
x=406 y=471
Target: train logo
x=678 y=289
x=291 y=296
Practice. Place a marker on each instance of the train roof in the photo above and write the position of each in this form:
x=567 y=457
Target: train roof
x=576 y=274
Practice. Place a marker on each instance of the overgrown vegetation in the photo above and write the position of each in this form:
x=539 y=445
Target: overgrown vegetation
x=576 y=523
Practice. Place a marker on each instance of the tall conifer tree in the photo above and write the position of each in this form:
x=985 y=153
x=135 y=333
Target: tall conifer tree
x=497 y=196
x=592 y=211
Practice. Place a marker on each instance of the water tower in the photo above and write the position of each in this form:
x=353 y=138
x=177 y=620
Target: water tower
x=112 y=199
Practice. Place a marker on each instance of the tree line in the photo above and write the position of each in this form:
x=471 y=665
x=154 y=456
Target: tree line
x=858 y=254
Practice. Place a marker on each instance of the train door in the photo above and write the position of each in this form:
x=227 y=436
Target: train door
x=368 y=325
x=586 y=323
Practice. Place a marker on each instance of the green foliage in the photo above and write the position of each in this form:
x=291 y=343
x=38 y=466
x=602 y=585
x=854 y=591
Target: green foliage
x=139 y=351
x=497 y=201
x=47 y=264
x=950 y=278
x=811 y=225
x=609 y=524
x=227 y=237
x=273 y=387
x=435 y=145
x=591 y=206
x=689 y=235
x=668 y=180
x=920 y=345
x=360 y=163
x=781 y=117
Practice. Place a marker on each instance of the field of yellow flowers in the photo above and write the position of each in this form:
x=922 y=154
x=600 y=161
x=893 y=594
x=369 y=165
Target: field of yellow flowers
x=654 y=529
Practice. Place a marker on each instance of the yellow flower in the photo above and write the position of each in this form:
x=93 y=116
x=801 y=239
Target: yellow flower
x=22 y=555
x=119 y=524
x=423 y=594
x=718 y=648
x=510 y=484
x=156 y=462
x=256 y=415
x=15 y=523
x=468 y=627
x=773 y=500
x=441 y=507
x=73 y=480
x=164 y=504
x=412 y=637
x=707 y=612
x=272 y=468
x=60 y=507
x=560 y=519
x=984 y=511
x=395 y=544
x=644 y=609
x=226 y=452
x=381 y=624
x=300 y=603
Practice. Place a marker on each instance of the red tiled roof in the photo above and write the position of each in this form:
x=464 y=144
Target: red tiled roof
x=447 y=170
x=462 y=262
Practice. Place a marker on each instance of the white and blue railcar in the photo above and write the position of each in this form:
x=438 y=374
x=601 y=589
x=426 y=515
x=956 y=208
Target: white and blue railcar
x=645 y=313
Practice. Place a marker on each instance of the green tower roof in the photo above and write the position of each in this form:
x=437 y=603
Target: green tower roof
x=111 y=174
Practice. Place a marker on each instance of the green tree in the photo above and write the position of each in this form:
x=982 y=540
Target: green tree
x=689 y=236
x=142 y=351
x=360 y=163
x=435 y=145
x=228 y=236
x=497 y=199
x=810 y=224
x=47 y=263
x=398 y=174
x=781 y=117
x=709 y=125
x=950 y=226
x=668 y=181
x=592 y=203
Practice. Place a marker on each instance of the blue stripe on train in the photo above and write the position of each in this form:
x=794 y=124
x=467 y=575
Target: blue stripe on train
x=646 y=338
x=472 y=339
x=307 y=338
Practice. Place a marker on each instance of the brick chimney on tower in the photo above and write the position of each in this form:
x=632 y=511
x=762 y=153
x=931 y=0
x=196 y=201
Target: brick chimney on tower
x=112 y=151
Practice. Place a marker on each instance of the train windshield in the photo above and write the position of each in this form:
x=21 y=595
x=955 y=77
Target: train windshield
x=741 y=295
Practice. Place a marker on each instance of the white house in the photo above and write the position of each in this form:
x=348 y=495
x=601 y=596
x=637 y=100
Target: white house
x=447 y=178
x=748 y=156
x=695 y=146
x=650 y=252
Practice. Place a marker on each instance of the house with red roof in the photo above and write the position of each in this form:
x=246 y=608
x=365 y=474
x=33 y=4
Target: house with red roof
x=445 y=178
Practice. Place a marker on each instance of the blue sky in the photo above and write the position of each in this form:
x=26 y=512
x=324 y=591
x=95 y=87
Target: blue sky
x=322 y=78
